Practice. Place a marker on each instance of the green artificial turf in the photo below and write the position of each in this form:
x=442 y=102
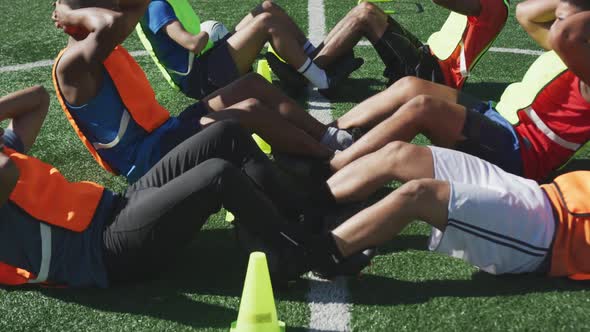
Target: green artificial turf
x=406 y=289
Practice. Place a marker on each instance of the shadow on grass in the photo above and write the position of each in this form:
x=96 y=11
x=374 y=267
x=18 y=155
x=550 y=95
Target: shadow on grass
x=356 y=90
x=398 y=292
x=212 y=267
x=486 y=90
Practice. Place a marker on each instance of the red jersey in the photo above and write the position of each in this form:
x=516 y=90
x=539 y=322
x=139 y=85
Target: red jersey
x=554 y=127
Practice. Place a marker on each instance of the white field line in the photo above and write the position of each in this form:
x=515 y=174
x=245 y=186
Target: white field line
x=328 y=301
x=365 y=42
x=49 y=63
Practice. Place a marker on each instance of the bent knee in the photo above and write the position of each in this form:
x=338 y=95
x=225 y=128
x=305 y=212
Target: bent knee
x=422 y=104
x=269 y=6
x=416 y=190
x=251 y=104
x=396 y=152
x=264 y=20
x=366 y=9
x=524 y=14
x=364 y=15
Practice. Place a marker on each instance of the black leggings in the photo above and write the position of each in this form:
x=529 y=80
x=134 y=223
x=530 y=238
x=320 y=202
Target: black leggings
x=162 y=212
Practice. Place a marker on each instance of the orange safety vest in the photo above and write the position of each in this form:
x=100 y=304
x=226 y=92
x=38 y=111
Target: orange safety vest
x=135 y=92
x=44 y=194
x=571 y=247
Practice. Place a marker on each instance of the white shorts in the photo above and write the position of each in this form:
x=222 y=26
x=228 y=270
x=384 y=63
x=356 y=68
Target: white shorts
x=497 y=221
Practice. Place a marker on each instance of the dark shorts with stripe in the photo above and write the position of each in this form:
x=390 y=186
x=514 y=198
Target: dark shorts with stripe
x=211 y=71
x=492 y=138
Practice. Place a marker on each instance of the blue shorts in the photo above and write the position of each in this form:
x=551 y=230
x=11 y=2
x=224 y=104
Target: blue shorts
x=166 y=138
x=491 y=137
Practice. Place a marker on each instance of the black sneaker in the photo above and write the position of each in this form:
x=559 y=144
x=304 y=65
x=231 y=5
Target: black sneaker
x=338 y=72
x=349 y=266
x=356 y=133
x=303 y=167
x=290 y=78
x=287 y=259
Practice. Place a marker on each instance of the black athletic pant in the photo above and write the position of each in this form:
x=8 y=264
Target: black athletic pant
x=404 y=55
x=163 y=211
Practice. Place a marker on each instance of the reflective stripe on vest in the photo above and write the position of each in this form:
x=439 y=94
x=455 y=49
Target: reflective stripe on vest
x=122 y=129
x=463 y=61
x=136 y=94
x=530 y=112
x=521 y=95
x=45 y=254
x=191 y=22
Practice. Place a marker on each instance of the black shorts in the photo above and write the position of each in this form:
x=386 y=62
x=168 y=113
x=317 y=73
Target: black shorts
x=212 y=70
x=404 y=55
x=492 y=138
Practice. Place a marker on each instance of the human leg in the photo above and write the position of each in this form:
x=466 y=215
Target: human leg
x=159 y=220
x=424 y=199
x=439 y=120
x=227 y=140
x=396 y=161
x=281 y=134
x=254 y=86
x=379 y=107
x=365 y=20
x=275 y=10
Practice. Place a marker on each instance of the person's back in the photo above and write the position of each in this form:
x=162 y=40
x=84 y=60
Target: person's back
x=568 y=194
x=481 y=31
x=47 y=222
x=112 y=106
x=176 y=60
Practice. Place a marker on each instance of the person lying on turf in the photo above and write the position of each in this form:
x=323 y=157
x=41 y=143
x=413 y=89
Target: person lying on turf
x=232 y=56
x=497 y=221
x=111 y=105
x=83 y=235
x=536 y=17
x=542 y=138
x=401 y=52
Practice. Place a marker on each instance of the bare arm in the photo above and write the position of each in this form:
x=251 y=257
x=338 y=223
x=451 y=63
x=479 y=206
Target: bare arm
x=570 y=39
x=106 y=28
x=193 y=43
x=27 y=109
x=536 y=18
x=465 y=7
x=8 y=177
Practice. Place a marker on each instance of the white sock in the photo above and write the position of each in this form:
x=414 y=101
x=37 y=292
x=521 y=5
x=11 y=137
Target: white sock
x=337 y=139
x=314 y=74
x=308 y=48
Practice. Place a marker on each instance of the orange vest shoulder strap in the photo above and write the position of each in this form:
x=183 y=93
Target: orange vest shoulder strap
x=135 y=90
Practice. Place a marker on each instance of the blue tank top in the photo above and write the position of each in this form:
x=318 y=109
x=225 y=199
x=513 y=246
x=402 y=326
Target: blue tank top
x=100 y=119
